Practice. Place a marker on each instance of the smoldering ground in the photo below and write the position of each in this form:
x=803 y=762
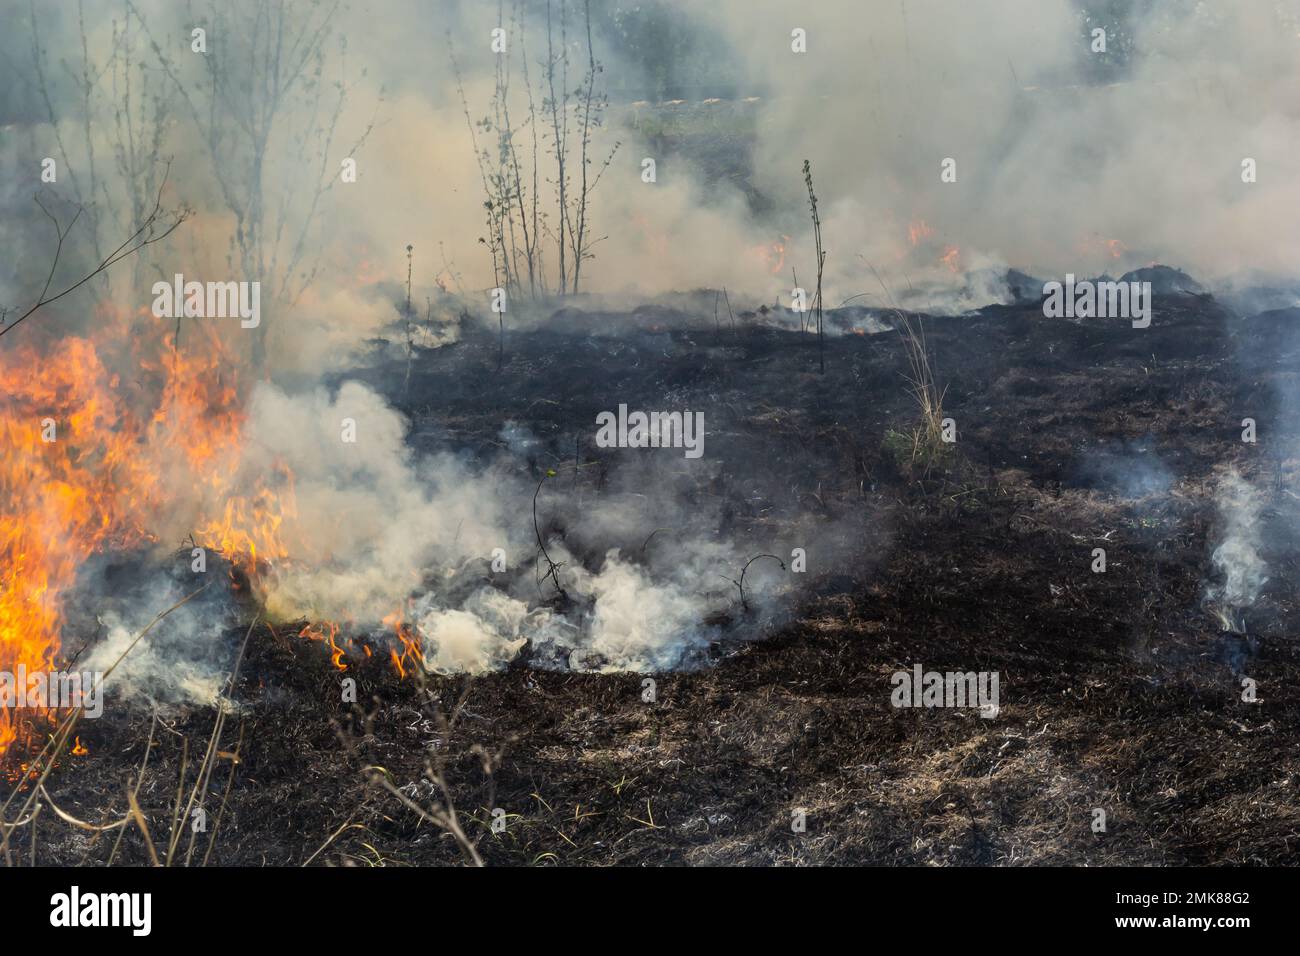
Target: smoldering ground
x=656 y=555
x=1118 y=690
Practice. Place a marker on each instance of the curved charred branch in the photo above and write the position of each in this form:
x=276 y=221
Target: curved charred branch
x=740 y=585
x=442 y=813
x=646 y=542
x=553 y=569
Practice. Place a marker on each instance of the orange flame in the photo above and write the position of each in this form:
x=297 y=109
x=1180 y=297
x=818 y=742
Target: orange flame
x=328 y=632
x=1100 y=245
x=771 y=255
x=94 y=460
x=918 y=231
x=411 y=654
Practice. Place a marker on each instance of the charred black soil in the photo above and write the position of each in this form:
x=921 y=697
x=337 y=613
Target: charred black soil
x=1119 y=691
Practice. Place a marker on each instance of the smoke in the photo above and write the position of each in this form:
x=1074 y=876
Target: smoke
x=484 y=634
x=445 y=542
x=1065 y=161
x=1128 y=469
x=1058 y=150
x=376 y=529
x=185 y=657
x=369 y=518
x=172 y=665
x=625 y=621
x=1236 y=559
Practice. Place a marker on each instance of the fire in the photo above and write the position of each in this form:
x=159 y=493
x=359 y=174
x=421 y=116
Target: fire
x=410 y=641
x=60 y=497
x=1100 y=245
x=920 y=235
x=116 y=440
x=328 y=632
x=367 y=273
x=771 y=255
x=245 y=521
x=918 y=231
x=410 y=653
x=97 y=459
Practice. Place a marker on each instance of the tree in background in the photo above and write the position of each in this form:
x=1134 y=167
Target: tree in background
x=260 y=104
x=553 y=142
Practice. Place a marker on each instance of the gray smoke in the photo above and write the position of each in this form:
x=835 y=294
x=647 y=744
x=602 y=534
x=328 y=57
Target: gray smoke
x=376 y=526
x=1242 y=572
x=1066 y=161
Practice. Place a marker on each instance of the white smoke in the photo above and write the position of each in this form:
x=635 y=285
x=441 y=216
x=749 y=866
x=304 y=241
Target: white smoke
x=376 y=526
x=636 y=622
x=184 y=658
x=370 y=519
x=1237 y=559
x=486 y=633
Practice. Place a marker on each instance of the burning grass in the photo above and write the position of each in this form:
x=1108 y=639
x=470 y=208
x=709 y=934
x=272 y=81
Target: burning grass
x=96 y=464
x=984 y=565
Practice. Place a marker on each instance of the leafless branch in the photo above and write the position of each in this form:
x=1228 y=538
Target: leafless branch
x=146 y=235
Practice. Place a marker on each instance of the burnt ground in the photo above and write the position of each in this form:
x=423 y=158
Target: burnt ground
x=1119 y=690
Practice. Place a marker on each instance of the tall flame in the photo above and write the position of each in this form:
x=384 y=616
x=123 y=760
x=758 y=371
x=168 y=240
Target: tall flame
x=95 y=459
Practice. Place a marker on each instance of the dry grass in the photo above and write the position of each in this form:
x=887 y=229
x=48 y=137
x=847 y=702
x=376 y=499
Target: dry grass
x=928 y=447
x=923 y=447
x=31 y=794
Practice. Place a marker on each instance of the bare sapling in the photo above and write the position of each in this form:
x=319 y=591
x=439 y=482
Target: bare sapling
x=410 y=336
x=592 y=113
x=537 y=248
x=553 y=569
x=559 y=106
x=821 y=262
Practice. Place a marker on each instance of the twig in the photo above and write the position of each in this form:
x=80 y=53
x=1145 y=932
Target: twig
x=112 y=259
x=144 y=827
x=740 y=585
x=553 y=573
x=59 y=739
x=347 y=825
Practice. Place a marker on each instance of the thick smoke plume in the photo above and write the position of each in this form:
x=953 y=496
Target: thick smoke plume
x=375 y=525
x=1066 y=160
